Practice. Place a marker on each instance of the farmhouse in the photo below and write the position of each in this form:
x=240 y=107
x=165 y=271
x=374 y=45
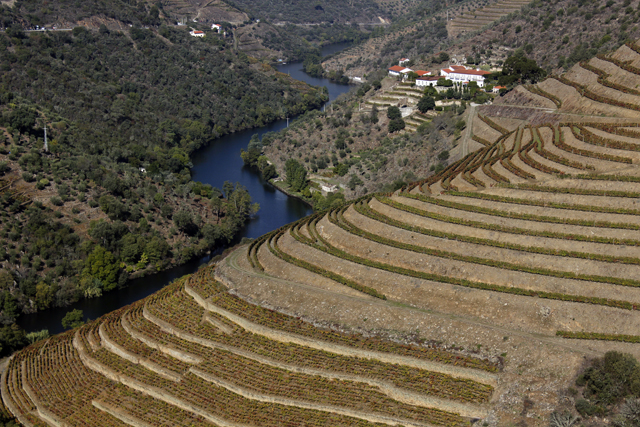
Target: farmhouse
x=464 y=75
x=403 y=61
x=496 y=89
x=422 y=73
x=328 y=188
x=197 y=33
x=396 y=70
x=216 y=27
x=427 y=81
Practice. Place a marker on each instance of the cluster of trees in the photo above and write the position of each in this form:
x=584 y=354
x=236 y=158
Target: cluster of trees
x=253 y=158
x=296 y=175
x=395 y=119
x=517 y=69
x=133 y=12
x=150 y=102
x=608 y=382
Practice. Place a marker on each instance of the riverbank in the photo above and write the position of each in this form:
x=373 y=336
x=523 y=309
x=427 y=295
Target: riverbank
x=284 y=190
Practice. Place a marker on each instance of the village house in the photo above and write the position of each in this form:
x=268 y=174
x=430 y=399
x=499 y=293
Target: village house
x=464 y=75
x=396 y=70
x=427 y=81
x=216 y=27
x=328 y=188
x=197 y=33
x=404 y=61
x=496 y=89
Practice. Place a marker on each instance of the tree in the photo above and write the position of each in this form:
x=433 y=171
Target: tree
x=374 y=114
x=296 y=175
x=101 y=265
x=444 y=82
x=393 y=112
x=396 y=125
x=444 y=56
x=184 y=221
x=520 y=68
x=73 y=319
x=426 y=103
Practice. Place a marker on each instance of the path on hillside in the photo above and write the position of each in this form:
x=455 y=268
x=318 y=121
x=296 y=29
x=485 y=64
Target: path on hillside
x=232 y=261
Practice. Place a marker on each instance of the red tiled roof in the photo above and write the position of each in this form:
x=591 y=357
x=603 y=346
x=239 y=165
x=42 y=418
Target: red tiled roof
x=428 y=78
x=422 y=72
x=396 y=68
x=458 y=67
x=198 y=32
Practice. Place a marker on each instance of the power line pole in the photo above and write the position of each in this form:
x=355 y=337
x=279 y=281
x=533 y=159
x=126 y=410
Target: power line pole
x=46 y=144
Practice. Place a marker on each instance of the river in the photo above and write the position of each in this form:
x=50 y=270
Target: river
x=215 y=164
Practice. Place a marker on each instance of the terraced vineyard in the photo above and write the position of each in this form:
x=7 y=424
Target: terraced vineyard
x=456 y=299
x=476 y=19
x=193 y=354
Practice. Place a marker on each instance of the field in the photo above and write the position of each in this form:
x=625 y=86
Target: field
x=475 y=295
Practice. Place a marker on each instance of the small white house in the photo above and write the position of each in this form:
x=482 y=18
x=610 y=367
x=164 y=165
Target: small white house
x=404 y=61
x=216 y=27
x=197 y=33
x=328 y=188
x=427 y=81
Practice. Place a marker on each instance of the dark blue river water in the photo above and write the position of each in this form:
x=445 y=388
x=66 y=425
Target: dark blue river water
x=212 y=165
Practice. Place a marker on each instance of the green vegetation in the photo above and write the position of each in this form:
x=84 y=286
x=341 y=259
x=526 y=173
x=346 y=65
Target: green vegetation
x=123 y=116
x=607 y=382
x=73 y=319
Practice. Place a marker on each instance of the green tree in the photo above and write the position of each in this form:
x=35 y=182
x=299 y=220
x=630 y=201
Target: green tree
x=183 y=219
x=73 y=319
x=101 y=265
x=296 y=175
x=426 y=103
x=393 y=112
x=396 y=125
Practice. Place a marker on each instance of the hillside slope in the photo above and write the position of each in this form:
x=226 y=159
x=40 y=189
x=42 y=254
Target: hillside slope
x=474 y=295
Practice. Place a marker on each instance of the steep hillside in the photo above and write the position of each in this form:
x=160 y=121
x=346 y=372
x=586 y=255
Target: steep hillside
x=474 y=295
x=556 y=34
x=195 y=355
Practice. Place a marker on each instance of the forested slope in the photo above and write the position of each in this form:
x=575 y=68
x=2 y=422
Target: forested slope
x=113 y=195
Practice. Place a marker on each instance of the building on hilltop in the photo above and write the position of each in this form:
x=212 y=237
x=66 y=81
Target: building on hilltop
x=464 y=75
x=197 y=33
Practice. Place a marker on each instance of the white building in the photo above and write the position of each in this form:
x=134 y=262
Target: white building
x=427 y=81
x=464 y=75
x=197 y=33
x=403 y=61
x=328 y=188
x=216 y=27
x=396 y=70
